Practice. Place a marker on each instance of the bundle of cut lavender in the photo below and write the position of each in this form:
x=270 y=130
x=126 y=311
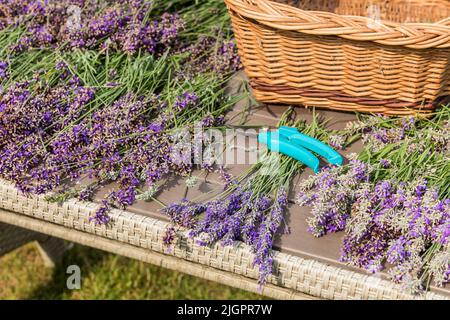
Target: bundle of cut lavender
x=392 y=200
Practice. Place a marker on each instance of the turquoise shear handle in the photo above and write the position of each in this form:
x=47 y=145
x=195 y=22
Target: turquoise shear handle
x=293 y=135
x=282 y=145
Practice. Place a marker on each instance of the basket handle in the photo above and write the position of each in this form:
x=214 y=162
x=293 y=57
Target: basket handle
x=285 y=17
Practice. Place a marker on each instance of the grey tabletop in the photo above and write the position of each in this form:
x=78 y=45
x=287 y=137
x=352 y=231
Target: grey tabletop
x=299 y=241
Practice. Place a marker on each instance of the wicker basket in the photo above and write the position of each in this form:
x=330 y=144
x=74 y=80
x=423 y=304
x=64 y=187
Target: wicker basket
x=378 y=56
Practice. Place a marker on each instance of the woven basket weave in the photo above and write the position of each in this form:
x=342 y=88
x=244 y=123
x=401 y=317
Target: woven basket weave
x=130 y=232
x=378 y=56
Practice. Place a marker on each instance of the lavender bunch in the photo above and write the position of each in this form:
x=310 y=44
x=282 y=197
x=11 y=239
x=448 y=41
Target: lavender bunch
x=397 y=223
x=108 y=112
x=29 y=115
x=244 y=214
x=134 y=141
x=251 y=208
x=125 y=26
x=49 y=130
x=387 y=222
x=331 y=193
x=70 y=124
x=126 y=145
x=379 y=132
x=133 y=27
x=397 y=211
x=419 y=151
x=212 y=53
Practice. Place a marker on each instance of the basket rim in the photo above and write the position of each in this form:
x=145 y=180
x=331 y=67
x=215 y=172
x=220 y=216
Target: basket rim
x=320 y=23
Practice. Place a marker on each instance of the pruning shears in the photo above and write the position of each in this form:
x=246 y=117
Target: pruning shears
x=291 y=142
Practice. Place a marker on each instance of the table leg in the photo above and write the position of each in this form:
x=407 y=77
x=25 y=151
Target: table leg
x=50 y=248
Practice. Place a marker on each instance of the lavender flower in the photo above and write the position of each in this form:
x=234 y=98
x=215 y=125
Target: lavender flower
x=439 y=266
x=184 y=213
x=226 y=177
x=396 y=223
x=184 y=101
x=169 y=236
x=3 y=70
x=267 y=231
x=385 y=163
x=46 y=143
x=331 y=194
x=337 y=141
x=122 y=26
x=212 y=53
x=101 y=215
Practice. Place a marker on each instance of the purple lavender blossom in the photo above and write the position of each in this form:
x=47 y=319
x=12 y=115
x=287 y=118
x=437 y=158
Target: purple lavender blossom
x=188 y=99
x=45 y=144
x=122 y=26
x=336 y=141
x=212 y=54
x=169 y=236
x=226 y=177
x=184 y=213
x=390 y=221
x=331 y=193
x=267 y=231
x=3 y=70
x=395 y=223
x=101 y=215
x=385 y=163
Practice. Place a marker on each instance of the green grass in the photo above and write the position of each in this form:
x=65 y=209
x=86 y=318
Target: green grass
x=104 y=276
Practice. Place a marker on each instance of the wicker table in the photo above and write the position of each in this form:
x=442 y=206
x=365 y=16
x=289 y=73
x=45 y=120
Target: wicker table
x=305 y=267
